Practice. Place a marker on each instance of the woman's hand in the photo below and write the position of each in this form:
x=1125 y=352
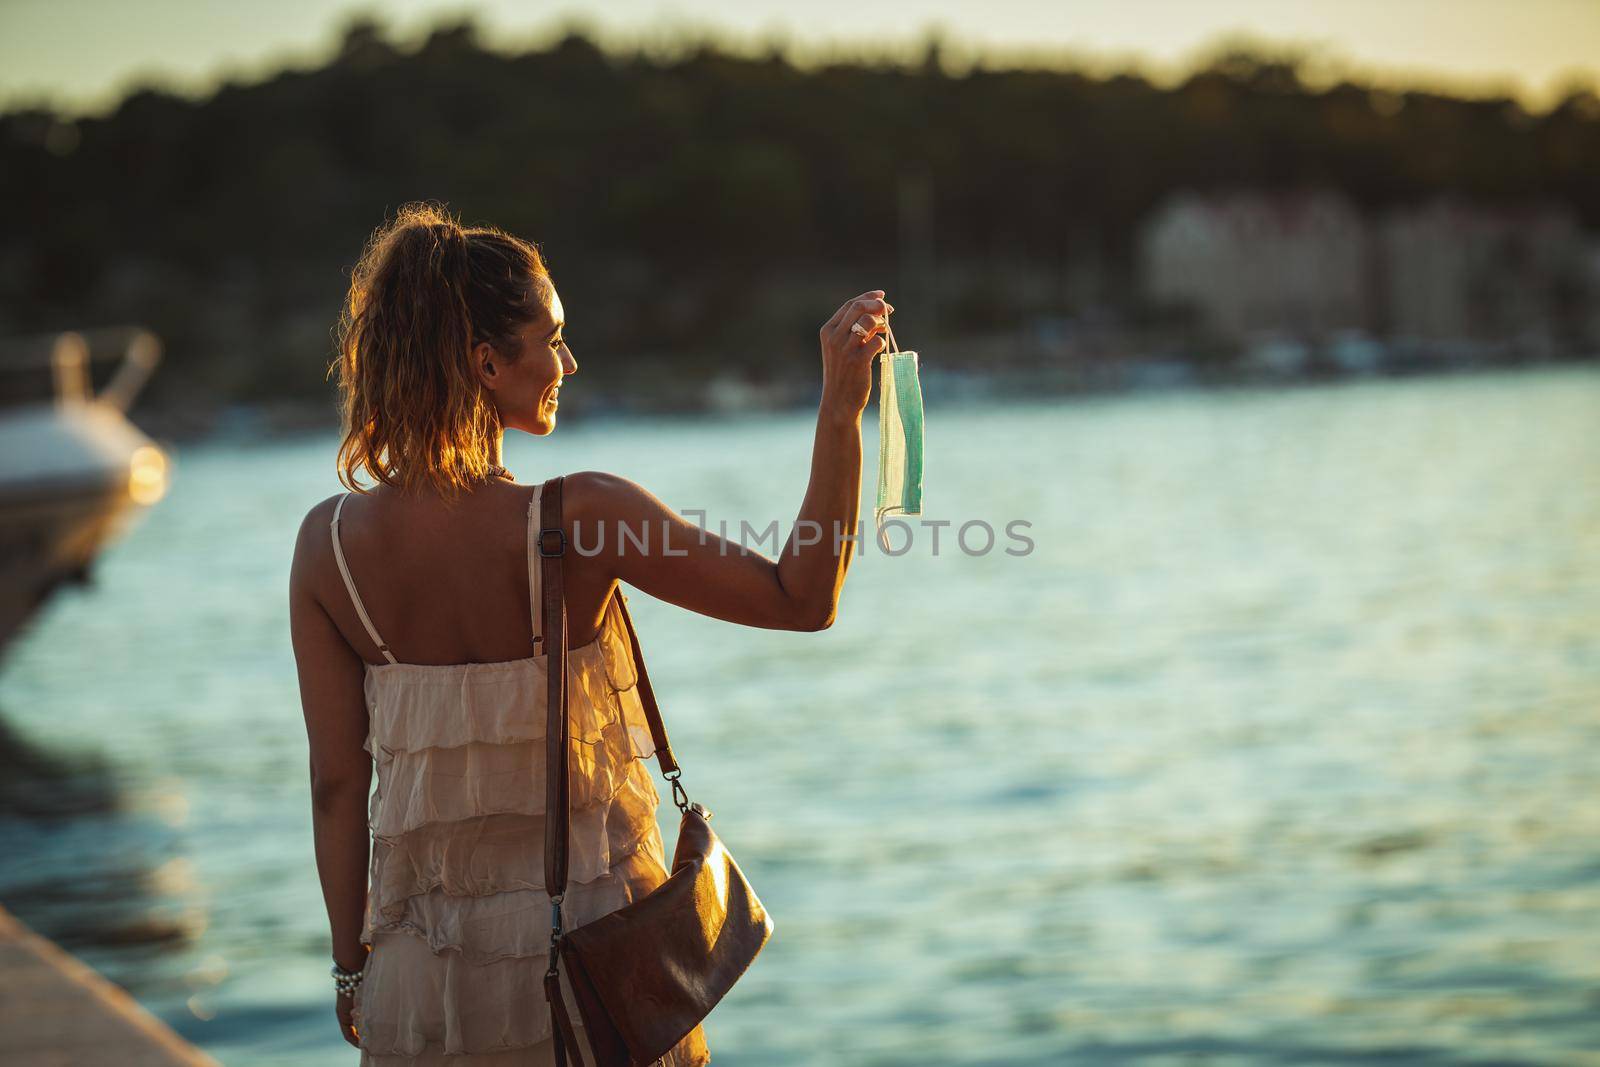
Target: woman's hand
x=847 y=356
x=344 y=1007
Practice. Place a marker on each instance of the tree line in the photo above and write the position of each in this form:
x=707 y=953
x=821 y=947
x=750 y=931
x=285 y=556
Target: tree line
x=683 y=201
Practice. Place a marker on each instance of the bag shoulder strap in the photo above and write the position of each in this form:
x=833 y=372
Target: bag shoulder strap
x=647 y=695
x=550 y=544
x=535 y=598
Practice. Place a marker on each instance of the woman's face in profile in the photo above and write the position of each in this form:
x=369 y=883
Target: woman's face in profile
x=527 y=390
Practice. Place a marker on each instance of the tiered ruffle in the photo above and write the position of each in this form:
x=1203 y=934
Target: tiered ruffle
x=457 y=913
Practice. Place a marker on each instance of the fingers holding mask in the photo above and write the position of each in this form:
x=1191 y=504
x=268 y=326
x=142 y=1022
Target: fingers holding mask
x=868 y=334
x=850 y=308
x=868 y=318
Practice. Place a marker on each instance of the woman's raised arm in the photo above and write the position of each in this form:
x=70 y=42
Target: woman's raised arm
x=699 y=570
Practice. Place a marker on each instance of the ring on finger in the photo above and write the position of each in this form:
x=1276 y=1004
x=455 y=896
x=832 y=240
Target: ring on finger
x=857 y=329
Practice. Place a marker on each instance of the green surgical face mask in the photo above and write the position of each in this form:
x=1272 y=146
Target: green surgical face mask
x=899 y=435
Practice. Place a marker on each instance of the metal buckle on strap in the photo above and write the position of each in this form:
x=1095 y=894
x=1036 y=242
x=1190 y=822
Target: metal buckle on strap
x=555 y=931
x=680 y=796
x=562 y=539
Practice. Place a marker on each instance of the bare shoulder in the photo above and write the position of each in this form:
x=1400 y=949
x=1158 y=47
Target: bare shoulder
x=314 y=539
x=321 y=511
x=319 y=519
x=590 y=496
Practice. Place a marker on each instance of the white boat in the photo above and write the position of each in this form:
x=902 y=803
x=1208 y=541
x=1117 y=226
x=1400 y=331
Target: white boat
x=74 y=472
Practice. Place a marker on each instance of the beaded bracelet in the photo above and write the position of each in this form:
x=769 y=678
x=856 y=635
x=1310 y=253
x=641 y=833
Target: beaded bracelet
x=346 y=981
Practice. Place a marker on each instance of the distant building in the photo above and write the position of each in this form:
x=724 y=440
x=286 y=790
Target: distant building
x=1308 y=266
x=1455 y=271
x=1589 y=315
x=1257 y=262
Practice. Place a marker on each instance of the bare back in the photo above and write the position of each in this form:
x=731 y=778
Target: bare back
x=448 y=584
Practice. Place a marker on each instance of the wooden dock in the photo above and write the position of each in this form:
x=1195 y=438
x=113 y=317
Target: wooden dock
x=57 y=1011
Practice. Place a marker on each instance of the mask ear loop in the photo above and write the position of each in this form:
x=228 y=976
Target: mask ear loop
x=885 y=358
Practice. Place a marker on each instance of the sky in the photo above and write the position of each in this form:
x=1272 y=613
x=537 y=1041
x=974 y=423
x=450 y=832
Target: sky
x=82 y=55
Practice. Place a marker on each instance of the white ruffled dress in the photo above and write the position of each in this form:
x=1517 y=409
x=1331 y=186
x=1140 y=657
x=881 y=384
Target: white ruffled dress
x=457 y=915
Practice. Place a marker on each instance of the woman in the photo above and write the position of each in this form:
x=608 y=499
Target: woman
x=412 y=623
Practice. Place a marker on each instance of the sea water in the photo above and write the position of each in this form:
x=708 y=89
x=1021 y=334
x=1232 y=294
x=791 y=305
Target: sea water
x=1277 y=742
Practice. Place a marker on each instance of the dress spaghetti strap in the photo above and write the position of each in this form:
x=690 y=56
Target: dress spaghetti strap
x=355 y=597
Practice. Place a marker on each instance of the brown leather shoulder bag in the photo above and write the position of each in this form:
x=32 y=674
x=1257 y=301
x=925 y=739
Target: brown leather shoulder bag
x=646 y=974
